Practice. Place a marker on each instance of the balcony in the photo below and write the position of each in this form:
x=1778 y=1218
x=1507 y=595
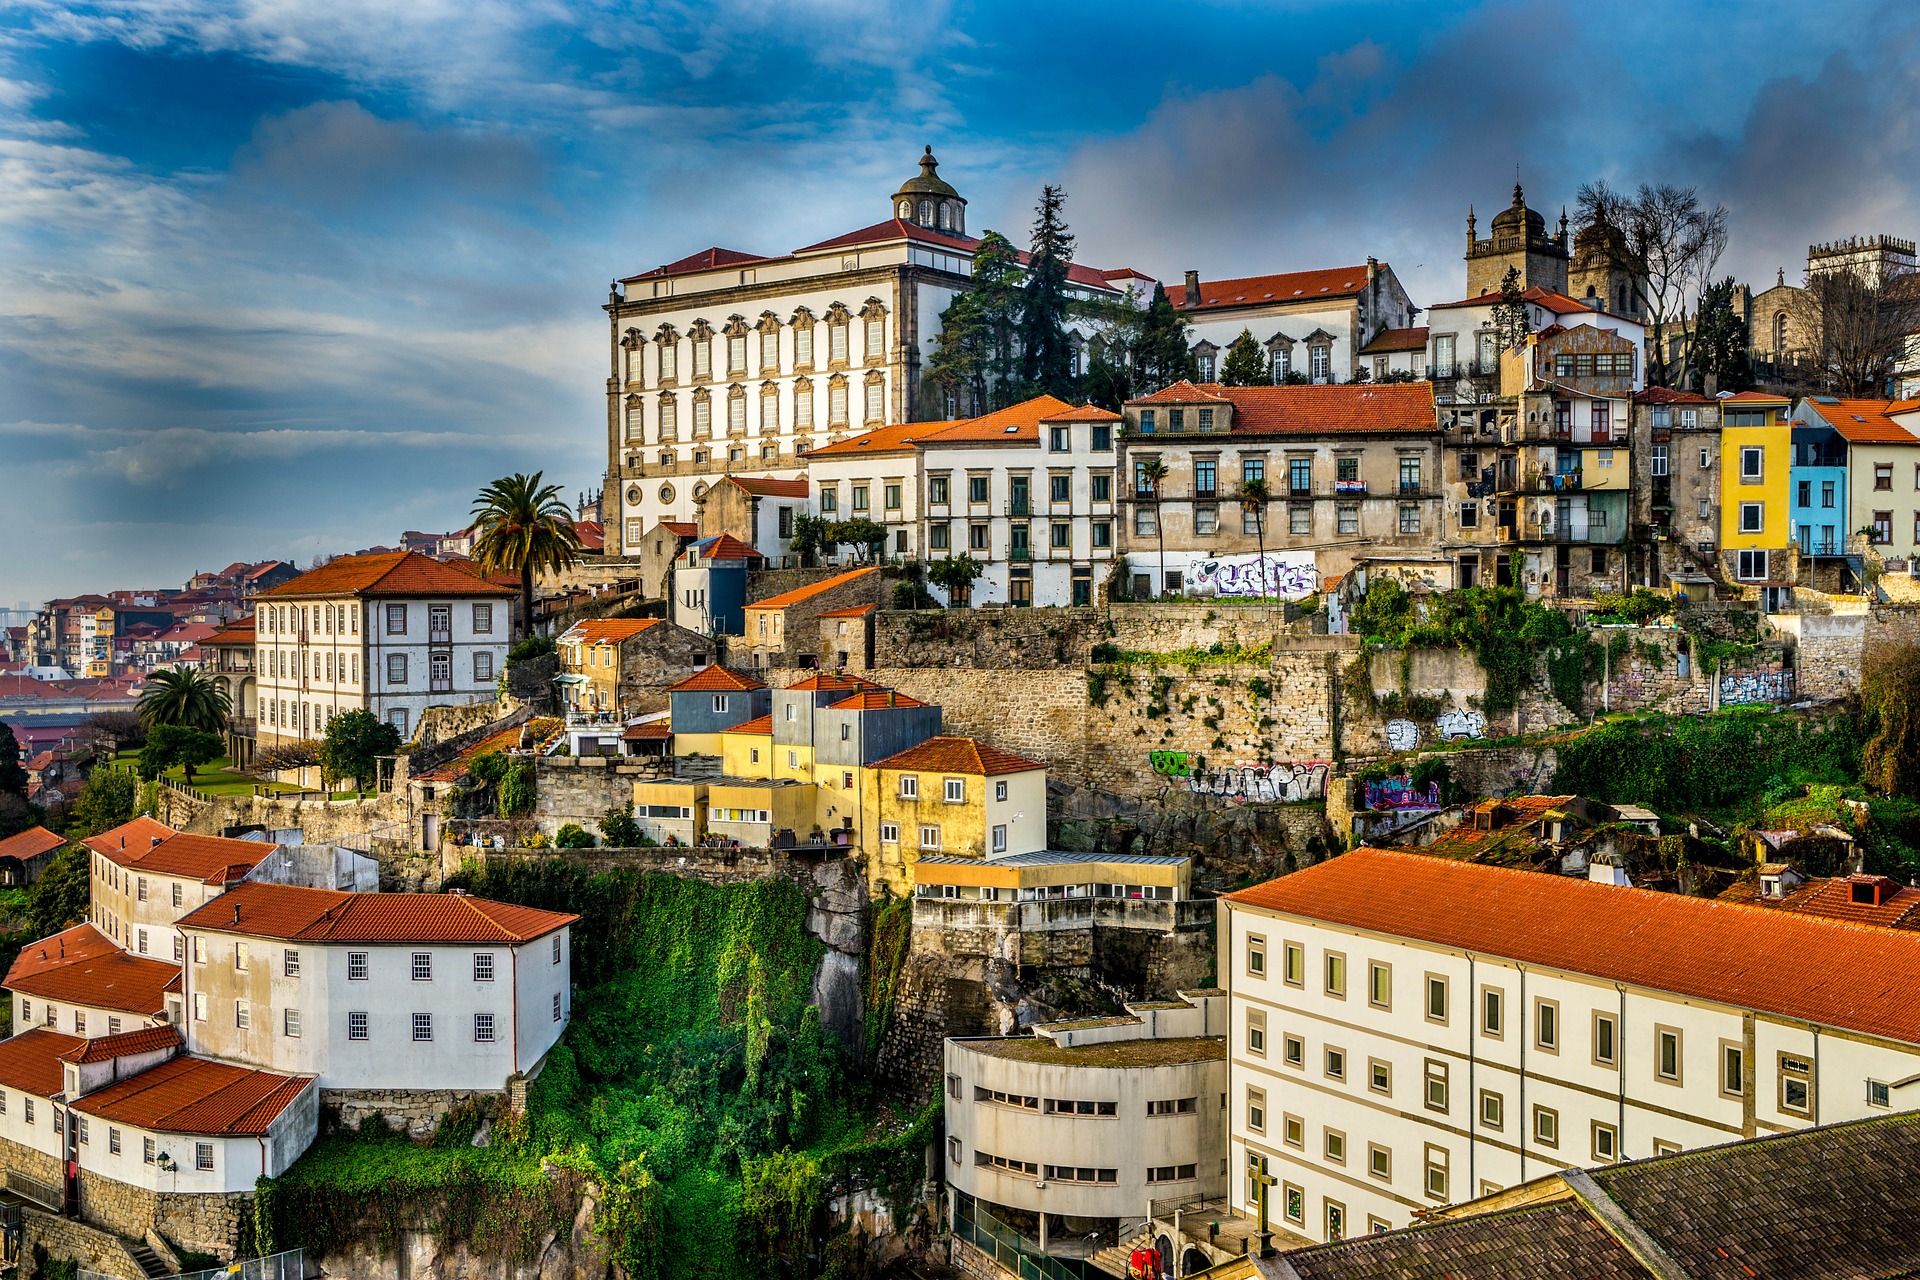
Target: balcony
x=440 y=684
x=1019 y=507
x=1540 y=482
x=1208 y=494
x=1823 y=547
x=1020 y=555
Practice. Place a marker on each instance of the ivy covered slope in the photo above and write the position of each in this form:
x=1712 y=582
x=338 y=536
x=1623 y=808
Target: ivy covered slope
x=695 y=1088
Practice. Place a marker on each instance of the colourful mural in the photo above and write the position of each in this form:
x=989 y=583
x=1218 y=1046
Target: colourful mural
x=1400 y=793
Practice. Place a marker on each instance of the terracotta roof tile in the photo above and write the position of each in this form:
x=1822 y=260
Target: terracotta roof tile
x=876 y=700
x=760 y=726
x=137 y=834
x=715 y=679
x=829 y=681
x=898 y=435
x=1555 y=1239
x=1414 y=339
x=196 y=1095
x=649 y=731
x=394 y=573
x=858 y=611
x=1833 y=900
x=798 y=595
x=1363 y=409
x=592 y=534
x=705 y=260
x=1862 y=421
x=725 y=547
x=81 y=965
x=30 y=1061
x=30 y=843
x=1018 y=423
x=768 y=487
x=1667 y=395
x=1289 y=286
x=681 y=528
x=1183 y=392
x=1755 y=397
x=607 y=630
x=957 y=755
x=1840 y=975
x=102 y=1048
x=210 y=859
x=1085 y=413
x=333 y=915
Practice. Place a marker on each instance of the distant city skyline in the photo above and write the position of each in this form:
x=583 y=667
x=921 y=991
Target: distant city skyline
x=279 y=281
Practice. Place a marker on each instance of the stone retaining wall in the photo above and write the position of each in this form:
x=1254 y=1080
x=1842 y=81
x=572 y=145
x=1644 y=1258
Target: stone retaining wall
x=418 y=1111
x=69 y=1239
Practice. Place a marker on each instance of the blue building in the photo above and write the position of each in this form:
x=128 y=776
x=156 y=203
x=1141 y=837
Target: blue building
x=1817 y=503
x=710 y=585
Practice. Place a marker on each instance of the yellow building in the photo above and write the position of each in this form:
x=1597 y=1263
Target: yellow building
x=1756 y=461
x=949 y=796
x=1044 y=876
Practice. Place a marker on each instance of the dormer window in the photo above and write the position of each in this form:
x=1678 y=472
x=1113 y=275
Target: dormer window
x=906 y=208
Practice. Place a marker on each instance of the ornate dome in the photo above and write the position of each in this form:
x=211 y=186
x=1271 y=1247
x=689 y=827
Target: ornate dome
x=1517 y=219
x=929 y=182
x=929 y=201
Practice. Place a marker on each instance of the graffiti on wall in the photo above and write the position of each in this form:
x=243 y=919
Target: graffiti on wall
x=1289 y=575
x=1756 y=686
x=1400 y=793
x=1402 y=735
x=1270 y=783
x=1461 y=722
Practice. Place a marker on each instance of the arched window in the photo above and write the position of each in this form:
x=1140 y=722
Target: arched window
x=906 y=208
x=1779 y=332
x=926 y=213
x=946 y=216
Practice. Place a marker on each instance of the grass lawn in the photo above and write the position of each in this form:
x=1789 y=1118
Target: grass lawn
x=216 y=778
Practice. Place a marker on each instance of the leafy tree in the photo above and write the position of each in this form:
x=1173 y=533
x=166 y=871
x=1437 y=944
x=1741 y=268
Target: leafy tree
x=286 y=756
x=16 y=815
x=124 y=728
x=868 y=538
x=572 y=835
x=809 y=538
x=1890 y=698
x=1510 y=322
x=908 y=594
x=13 y=776
x=1162 y=354
x=1254 y=498
x=172 y=744
x=522 y=526
x=109 y=799
x=957 y=575
x=1154 y=472
x=530 y=648
x=1046 y=358
x=618 y=827
x=1669 y=243
x=61 y=895
x=1721 y=340
x=187 y=699
x=1107 y=384
x=1246 y=363
x=353 y=745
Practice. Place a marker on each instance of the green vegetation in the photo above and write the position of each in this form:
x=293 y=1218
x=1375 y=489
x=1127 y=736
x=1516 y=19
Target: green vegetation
x=110 y=798
x=1190 y=658
x=523 y=527
x=516 y=788
x=1890 y=706
x=572 y=835
x=619 y=829
x=695 y=1087
x=188 y=699
x=530 y=648
x=1639 y=608
x=353 y=746
x=957 y=575
x=16 y=815
x=169 y=745
x=1724 y=764
x=1501 y=627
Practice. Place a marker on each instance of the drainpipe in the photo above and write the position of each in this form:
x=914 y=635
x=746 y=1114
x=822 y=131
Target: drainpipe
x=515 y=953
x=1522 y=1036
x=1620 y=1059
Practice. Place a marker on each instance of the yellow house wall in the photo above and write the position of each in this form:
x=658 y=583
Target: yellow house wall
x=1771 y=490
x=1596 y=475
x=699 y=744
x=963 y=826
x=737 y=758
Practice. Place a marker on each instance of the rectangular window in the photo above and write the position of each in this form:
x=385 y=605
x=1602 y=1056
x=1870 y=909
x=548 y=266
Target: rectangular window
x=1546 y=1126
x=1073 y=1106
x=203 y=1156
x=1752 y=459
x=1436 y=998
x=1293 y=1204
x=1546 y=1025
x=147 y=1153
x=1336 y=1212
x=1752 y=517
x=1347 y=518
x=396 y=668
x=1102 y=533
x=141 y=894
x=1796 y=1085
x=290 y=963
x=929 y=837
x=483 y=1028
x=1437 y=1163
x=1295 y=974
x=356 y=966
x=396 y=619
x=1883 y=476
x=1293 y=1131
x=423 y=1026
x=1299 y=519
x=1437 y=1085
x=1380 y=985
x=113 y=1141
x=1493 y=1018
x=1293 y=1049
x=890 y=833
x=1380 y=1076
x=1659 y=459
x=956 y=791
x=1666 y=1053
x=1606 y=1143
x=1256 y=1110
x=909 y=787
x=242 y=956
x=1257 y=1032
x=1336 y=975
x=1256 y=955
x=482 y=666
x=1606 y=1052
x=199 y=1006
x=356 y=1026
x=999 y=791
x=176 y=895
x=890 y=494
x=1493 y=1109
x=1409 y=517
x=1882 y=528
x=483 y=966
x=423 y=966
x=1335 y=1146
x=1733 y=1062
x=1879 y=1094
x=1336 y=1063
x=290 y=1023
x=483 y=619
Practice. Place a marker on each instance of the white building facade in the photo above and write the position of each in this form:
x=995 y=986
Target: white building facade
x=393 y=634
x=1409 y=1032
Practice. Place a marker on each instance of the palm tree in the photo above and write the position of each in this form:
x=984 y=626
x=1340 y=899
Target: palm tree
x=522 y=526
x=1254 y=498
x=1154 y=471
x=188 y=698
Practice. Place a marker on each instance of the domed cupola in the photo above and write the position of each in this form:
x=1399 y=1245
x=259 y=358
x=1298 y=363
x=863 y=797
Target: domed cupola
x=929 y=201
x=1519 y=221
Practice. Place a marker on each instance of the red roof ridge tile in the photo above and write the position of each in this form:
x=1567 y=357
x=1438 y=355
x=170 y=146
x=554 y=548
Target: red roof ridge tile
x=787 y=599
x=334 y=915
x=390 y=573
x=716 y=679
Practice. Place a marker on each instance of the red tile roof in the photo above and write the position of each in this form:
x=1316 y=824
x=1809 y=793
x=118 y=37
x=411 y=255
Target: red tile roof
x=957 y=755
x=760 y=726
x=333 y=915
x=705 y=260
x=715 y=679
x=1017 y=423
x=209 y=859
x=592 y=534
x=876 y=700
x=1289 y=286
x=1085 y=413
x=81 y=965
x=858 y=611
x=829 y=681
x=898 y=435
x=102 y=1048
x=607 y=630
x=1833 y=900
x=30 y=1061
x=1363 y=409
x=129 y=836
x=681 y=528
x=1667 y=395
x=392 y=573
x=1848 y=976
x=1414 y=339
x=1862 y=421
x=238 y=632
x=1756 y=397
x=1558 y=303
x=30 y=843
x=647 y=732
x=786 y=599
x=197 y=1095
x=768 y=487
x=726 y=547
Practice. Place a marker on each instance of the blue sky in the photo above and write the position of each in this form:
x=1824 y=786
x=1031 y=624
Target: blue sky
x=286 y=277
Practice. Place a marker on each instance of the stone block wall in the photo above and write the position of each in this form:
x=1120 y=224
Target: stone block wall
x=582 y=788
x=418 y=1111
x=69 y=1239
x=203 y=1223
x=437 y=724
x=1015 y=639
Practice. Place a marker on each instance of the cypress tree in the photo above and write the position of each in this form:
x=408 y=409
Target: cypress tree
x=1046 y=358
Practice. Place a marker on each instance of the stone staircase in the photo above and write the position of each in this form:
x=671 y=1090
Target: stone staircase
x=149 y=1261
x=1113 y=1260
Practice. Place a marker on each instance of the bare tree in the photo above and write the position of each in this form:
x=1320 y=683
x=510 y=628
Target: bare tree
x=1673 y=244
x=1858 y=326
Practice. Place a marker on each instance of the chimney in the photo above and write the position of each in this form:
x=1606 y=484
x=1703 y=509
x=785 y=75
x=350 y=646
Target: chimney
x=892 y=699
x=152 y=841
x=1193 y=288
x=1373 y=268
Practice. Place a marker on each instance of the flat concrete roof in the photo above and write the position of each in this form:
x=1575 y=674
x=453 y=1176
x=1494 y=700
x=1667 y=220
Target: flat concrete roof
x=1108 y=1053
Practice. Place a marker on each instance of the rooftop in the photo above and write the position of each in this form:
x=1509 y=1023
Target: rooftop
x=958 y=755
x=32 y=842
x=1051 y=858
x=1792 y=965
x=332 y=915
x=876 y=700
x=724 y=547
x=1414 y=339
x=82 y=966
x=1104 y=1053
x=831 y=681
x=393 y=573
x=716 y=679
x=1349 y=409
x=607 y=630
x=1289 y=286
x=800 y=595
x=768 y=487
x=858 y=611
x=208 y=859
x=198 y=1096
x=1860 y=421
x=30 y=1061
